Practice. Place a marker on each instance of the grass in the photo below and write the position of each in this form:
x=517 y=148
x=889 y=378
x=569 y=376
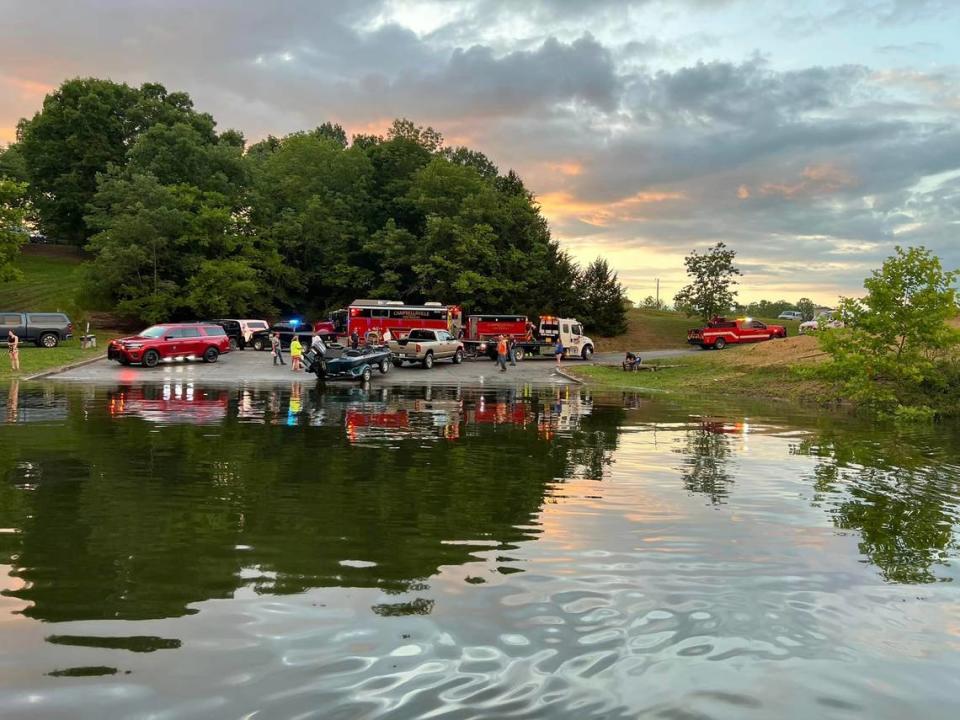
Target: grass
x=663 y=330
x=52 y=276
x=767 y=370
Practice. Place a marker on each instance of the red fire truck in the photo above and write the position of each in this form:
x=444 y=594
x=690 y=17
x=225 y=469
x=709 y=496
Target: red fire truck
x=364 y=316
x=483 y=331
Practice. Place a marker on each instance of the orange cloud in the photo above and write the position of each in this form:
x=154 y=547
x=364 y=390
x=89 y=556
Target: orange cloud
x=566 y=168
x=564 y=205
x=819 y=179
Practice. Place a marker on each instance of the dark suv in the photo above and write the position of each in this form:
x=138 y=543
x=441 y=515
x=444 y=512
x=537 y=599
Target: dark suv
x=261 y=339
x=234 y=332
x=175 y=340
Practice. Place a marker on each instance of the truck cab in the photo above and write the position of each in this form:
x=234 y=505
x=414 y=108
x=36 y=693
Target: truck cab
x=570 y=332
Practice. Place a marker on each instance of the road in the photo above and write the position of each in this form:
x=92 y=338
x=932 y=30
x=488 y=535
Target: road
x=250 y=366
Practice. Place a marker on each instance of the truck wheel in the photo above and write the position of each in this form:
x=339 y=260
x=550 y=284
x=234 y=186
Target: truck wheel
x=151 y=358
x=428 y=361
x=234 y=345
x=49 y=340
x=258 y=344
x=210 y=355
x=587 y=352
x=518 y=354
x=366 y=375
x=384 y=366
x=458 y=357
x=398 y=363
x=719 y=344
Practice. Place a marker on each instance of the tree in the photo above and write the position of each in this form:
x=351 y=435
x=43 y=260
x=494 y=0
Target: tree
x=711 y=291
x=897 y=348
x=806 y=308
x=652 y=303
x=12 y=234
x=84 y=126
x=603 y=299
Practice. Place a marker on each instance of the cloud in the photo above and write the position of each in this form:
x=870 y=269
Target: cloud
x=641 y=139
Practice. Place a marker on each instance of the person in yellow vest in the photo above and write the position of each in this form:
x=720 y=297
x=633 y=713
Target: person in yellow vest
x=296 y=351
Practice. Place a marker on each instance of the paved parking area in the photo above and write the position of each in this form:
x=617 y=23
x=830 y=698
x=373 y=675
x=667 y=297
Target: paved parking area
x=250 y=366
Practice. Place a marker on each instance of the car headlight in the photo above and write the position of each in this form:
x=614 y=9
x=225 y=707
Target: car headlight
x=133 y=346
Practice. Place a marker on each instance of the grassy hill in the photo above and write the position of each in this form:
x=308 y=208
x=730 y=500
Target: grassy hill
x=52 y=276
x=662 y=330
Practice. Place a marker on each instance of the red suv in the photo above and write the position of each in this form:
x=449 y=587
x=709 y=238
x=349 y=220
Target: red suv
x=201 y=340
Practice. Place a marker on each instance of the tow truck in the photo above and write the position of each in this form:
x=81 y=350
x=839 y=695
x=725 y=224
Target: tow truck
x=482 y=332
x=721 y=332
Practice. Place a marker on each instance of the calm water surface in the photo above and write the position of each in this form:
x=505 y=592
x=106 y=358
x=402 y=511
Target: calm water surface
x=187 y=552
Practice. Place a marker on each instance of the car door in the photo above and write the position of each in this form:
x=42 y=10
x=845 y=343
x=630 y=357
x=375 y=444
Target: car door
x=758 y=331
x=191 y=342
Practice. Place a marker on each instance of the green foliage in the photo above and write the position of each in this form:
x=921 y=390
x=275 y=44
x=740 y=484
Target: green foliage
x=183 y=223
x=603 y=299
x=86 y=125
x=12 y=165
x=12 y=233
x=766 y=308
x=712 y=281
x=806 y=306
x=898 y=349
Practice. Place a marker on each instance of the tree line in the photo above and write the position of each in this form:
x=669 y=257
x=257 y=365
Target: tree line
x=182 y=220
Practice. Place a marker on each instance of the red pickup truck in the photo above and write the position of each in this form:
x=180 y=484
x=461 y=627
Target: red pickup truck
x=721 y=332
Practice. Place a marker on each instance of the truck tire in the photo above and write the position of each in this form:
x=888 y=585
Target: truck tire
x=587 y=352
x=258 y=344
x=48 y=340
x=719 y=344
x=366 y=375
x=150 y=358
x=384 y=366
x=518 y=354
x=458 y=357
x=397 y=363
x=234 y=345
x=210 y=355
x=428 y=361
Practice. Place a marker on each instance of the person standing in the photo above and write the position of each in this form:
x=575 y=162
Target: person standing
x=13 y=345
x=558 y=352
x=502 y=353
x=276 y=349
x=296 y=350
x=354 y=340
x=512 y=350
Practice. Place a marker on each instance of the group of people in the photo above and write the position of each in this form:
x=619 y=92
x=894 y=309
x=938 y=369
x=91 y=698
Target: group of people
x=296 y=350
x=13 y=346
x=507 y=349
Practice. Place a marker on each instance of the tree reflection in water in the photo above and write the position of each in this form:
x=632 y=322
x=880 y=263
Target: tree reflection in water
x=898 y=492
x=143 y=500
x=706 y=450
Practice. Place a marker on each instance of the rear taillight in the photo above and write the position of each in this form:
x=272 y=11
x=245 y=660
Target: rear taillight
x=69 y=327
x=418 y=348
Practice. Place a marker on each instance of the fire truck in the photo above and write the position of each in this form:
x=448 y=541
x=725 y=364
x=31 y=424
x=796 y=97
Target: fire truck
x=366 y=316
x=483 y=331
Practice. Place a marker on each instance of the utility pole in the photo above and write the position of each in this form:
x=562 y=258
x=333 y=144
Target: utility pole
x=658 y=293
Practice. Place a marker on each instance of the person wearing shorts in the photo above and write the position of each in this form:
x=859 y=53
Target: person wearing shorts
x=13 y=345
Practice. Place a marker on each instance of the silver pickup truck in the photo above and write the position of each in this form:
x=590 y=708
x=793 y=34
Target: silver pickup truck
x=425 y=346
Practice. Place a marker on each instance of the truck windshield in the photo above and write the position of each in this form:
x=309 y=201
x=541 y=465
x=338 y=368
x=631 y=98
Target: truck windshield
x=154 y=332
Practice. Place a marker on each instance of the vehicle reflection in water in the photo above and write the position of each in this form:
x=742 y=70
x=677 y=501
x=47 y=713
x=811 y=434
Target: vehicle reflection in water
x=400 y=553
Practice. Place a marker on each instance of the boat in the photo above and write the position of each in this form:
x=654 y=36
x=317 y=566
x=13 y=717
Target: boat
x=340 y=363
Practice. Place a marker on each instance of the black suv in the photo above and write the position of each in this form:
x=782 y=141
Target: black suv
x=261 y=339
x=234 y=332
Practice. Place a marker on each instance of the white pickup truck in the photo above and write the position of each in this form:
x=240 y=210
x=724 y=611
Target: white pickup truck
x=425 y=346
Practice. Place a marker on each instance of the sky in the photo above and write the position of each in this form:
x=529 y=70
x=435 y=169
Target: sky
x=810 y=137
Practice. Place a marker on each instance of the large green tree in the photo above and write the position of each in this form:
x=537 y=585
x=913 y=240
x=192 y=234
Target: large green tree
x=712 y=281
x=603 y=299
x=12 y=233
x=86 y=125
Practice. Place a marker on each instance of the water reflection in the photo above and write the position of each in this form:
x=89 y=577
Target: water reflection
x=464 y=552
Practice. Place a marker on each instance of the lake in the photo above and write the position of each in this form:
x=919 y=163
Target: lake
x=179 y=551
